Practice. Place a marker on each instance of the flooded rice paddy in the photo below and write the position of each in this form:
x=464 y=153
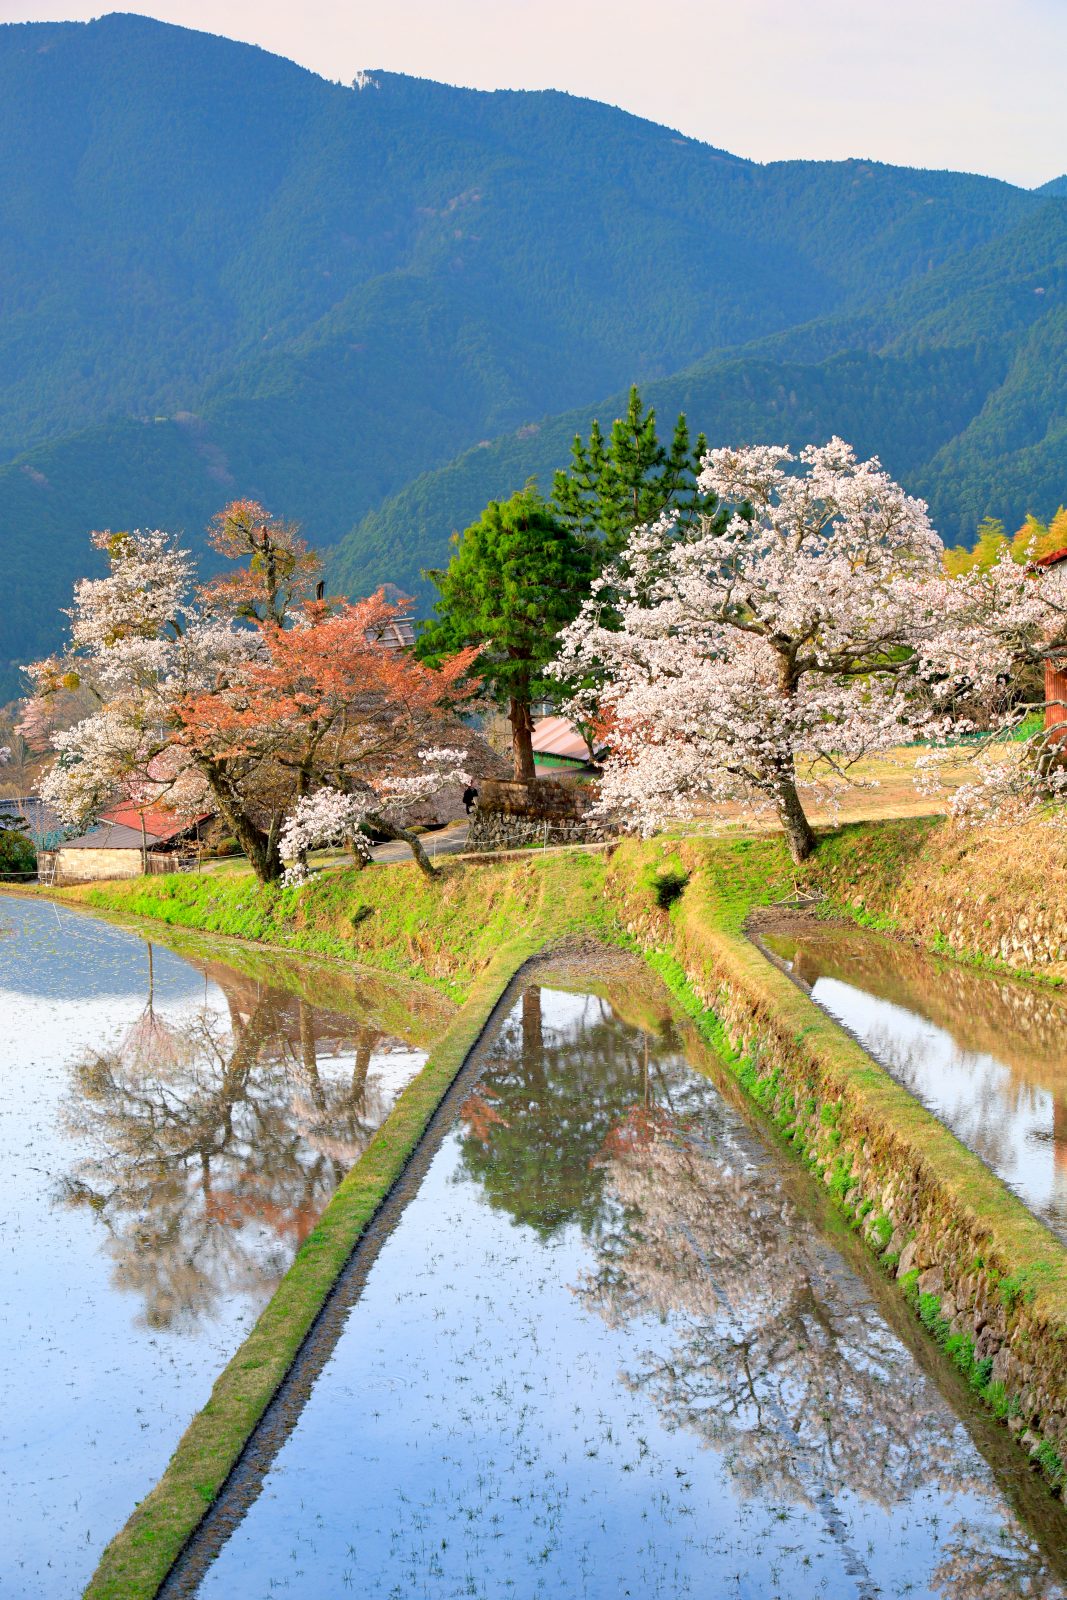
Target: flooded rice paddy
x=987 y=1055
x=170 y=1129
x=602 y=1345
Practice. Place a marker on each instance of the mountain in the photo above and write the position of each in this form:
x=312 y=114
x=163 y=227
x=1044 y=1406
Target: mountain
x=957 y=381
x=373 y=308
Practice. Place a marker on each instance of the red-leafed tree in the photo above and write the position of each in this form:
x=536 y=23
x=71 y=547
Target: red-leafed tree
x=327 y=703
x=245 y=693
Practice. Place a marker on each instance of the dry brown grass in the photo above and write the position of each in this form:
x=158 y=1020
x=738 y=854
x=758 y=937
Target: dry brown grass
x=882 y=787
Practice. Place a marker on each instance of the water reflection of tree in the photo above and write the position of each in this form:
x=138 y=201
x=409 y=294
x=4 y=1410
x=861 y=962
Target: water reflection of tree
x=804 y=1393
x=531 y=1132
x=213 y=1149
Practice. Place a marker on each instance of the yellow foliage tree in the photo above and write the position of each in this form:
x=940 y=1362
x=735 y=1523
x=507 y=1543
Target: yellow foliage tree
x=1034 y=539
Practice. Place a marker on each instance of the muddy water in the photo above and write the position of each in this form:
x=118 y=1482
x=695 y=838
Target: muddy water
x=987 y=1055
x=602 y=1349
x=169 y=1131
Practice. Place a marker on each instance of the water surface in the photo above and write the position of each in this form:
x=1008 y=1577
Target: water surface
x=986 y=1054
x=170 y=1129
x=601 y=1352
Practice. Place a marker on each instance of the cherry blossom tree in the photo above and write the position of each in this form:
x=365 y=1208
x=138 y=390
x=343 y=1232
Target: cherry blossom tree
x=139 y=643
x=240 y=695
x=333 y=816
x=815 y=626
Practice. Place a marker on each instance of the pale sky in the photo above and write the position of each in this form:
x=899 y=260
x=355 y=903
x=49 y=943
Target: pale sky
x=975 y=85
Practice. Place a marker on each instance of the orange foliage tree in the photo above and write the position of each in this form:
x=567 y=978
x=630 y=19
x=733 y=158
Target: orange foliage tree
x=326 y=702
x=246 y=692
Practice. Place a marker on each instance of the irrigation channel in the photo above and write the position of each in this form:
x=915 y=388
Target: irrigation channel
x=985 y=1054
x=170 y=1128
x=604 y=1340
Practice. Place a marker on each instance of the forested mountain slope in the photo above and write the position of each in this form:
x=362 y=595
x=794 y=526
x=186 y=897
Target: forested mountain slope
x=223 y=275
x=958 y=381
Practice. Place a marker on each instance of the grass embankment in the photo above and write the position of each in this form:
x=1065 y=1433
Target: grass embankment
x=893 y=1170
x=986 y=1278
x=992 y=896
x=442 y=932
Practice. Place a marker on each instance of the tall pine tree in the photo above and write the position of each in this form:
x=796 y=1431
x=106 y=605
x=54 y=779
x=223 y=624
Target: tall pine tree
x=614 y=486
x=518 y=576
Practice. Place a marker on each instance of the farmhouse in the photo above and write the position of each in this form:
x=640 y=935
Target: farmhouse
x=123 y=844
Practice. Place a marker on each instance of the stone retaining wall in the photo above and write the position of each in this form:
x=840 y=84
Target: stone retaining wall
x=987 y=1279
x=938 y=883
x=512 y=815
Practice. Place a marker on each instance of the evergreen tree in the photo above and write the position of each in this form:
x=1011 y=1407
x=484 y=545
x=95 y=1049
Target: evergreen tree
x=611 y=488
x=519 y=574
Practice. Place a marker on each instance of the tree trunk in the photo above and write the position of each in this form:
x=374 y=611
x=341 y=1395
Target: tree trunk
x=798 y=829
x=261 y=848
x=791 y=814
x=521 y=721
x=393 y=830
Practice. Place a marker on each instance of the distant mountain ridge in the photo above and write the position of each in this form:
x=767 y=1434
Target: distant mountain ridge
x=374 y=308
x=956 y=381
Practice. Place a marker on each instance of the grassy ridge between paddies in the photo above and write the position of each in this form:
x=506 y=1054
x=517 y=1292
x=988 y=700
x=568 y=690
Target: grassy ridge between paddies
x=442 y=931
x=987 y=1279
x=138 y=1559
x=683 y=904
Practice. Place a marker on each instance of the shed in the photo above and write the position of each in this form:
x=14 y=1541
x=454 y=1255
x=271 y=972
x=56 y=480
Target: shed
x=557 y=743
x=117 y=849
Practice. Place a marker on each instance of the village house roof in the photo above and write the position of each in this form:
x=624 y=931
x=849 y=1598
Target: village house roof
x=119 y=828
x=555 y=736
x=159 y=825
x=399 y=634
x=1053 y=559
x=111 y=836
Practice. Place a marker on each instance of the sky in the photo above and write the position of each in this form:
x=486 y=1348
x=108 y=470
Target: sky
x=974 y=85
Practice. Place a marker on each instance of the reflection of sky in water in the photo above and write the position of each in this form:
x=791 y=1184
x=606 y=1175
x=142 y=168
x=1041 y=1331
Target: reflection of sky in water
x=131 y=1268
x=1010 y=1122
x=49 y=952
x=601 y=1355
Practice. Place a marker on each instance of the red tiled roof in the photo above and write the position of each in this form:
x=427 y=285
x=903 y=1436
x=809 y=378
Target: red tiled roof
x=555 y=736
x=1053 y=559
x=159 y=825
